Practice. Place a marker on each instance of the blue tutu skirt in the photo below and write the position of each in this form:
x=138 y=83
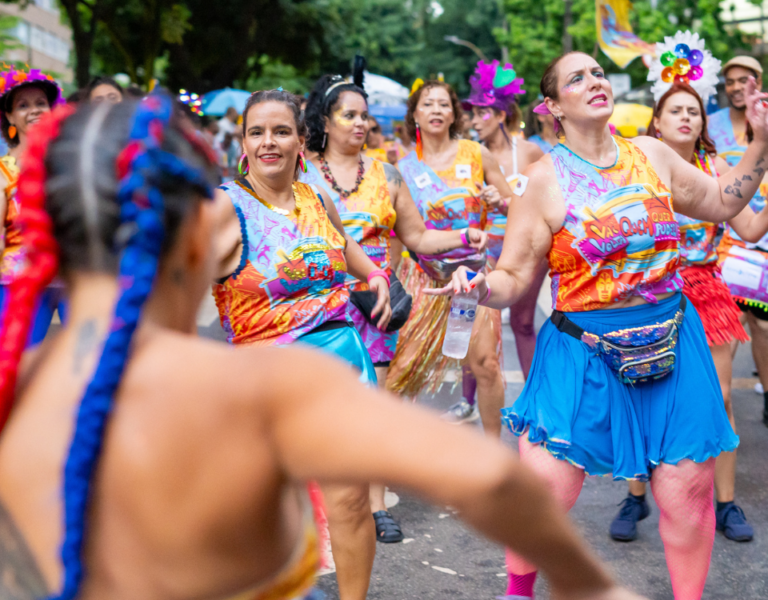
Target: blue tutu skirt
x=575 y=406
x=345 y=343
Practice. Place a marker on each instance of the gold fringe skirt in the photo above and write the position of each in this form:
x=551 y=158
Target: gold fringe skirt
x=419 y=364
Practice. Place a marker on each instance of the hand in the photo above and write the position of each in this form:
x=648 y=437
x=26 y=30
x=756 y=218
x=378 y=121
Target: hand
x=383 y=308
x=477 y=239
x=459 y=284
x=614 y=593
x=757 y=111
x=491 y=196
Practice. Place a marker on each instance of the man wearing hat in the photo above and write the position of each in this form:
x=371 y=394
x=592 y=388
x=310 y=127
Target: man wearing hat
x=728 y=127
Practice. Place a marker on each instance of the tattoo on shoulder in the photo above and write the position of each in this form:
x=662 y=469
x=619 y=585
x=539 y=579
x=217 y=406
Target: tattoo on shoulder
x=20 y=578
x=393 y=175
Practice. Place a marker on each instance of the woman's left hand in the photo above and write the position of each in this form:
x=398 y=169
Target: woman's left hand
x=383 y=308
x=477 y=239
x=491 y=196
x=757 y=110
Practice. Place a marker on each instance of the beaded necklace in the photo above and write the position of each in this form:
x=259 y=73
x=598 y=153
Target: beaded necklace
x=704 y=162
x=344 y=194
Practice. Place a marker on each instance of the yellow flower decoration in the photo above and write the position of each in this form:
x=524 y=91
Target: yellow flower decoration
x=416 y=86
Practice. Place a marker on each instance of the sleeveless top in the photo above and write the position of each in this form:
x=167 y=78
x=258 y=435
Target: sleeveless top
x=720 y=130
x=620 y=236
x=368 y=215
x=698 y=239
x=497 y=222
x=291 y=275
x=12 y=259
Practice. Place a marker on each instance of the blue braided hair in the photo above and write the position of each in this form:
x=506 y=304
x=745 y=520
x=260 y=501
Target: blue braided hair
x=141 y=232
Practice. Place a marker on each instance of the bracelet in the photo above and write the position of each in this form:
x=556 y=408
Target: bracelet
x=465 y=236
x=378 y=273
x=488 y=295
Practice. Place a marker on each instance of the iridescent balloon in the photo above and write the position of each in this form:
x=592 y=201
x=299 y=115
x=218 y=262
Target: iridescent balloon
x=695 y=73
x=682 y=66
x=668 y=59
x=681 y=79
x=696 y=57
x=668 y=75
x=682 y=50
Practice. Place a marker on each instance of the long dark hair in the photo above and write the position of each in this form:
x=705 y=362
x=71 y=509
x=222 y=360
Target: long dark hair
x=322 y=101
x=704 y=142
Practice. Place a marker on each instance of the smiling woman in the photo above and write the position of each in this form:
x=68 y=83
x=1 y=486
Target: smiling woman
x=27 y=96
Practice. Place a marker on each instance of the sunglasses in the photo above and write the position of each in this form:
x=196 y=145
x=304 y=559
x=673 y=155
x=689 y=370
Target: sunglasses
x=376 y=129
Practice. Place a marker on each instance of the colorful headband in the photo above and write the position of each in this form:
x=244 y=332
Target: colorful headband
x=494 y=86
x=683 y=59
x=13 y=78
x=335 y=85
x=41 y=258
x=142 y=211
x=417 y=85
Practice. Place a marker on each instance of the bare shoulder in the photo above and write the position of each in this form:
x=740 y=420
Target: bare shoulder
x=529 y=152
x=20 y=577
x=650 y=146
x=722 y=166
x=393 y=175
x=542 y=193
x=488 y=157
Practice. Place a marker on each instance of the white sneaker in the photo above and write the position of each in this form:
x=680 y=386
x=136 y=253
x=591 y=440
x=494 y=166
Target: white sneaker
x=759 y=388
x=461 y=412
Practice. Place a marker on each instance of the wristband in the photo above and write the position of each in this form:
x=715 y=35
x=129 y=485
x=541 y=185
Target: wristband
x=465 y=236
x=488 y=295
x=378 y=273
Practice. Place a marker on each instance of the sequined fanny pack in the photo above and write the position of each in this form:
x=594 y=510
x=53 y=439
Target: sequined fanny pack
x=637 y=354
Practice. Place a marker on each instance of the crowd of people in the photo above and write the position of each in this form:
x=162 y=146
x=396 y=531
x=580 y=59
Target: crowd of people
x=138 y=460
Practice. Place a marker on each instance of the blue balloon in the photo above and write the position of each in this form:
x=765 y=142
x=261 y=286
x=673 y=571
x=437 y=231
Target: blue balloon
x=682 y=50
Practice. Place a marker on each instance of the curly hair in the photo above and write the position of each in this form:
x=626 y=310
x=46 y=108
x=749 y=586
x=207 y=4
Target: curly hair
x=7 y=106
x=322 y=101
x=413 y=101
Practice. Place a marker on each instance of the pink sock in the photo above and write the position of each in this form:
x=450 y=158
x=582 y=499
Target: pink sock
x=521 y=585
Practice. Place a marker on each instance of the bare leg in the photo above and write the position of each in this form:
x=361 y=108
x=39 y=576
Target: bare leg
x=759 y=332
x=377 y=490
x=725 y=465
x=637 y=488
x=484 y=362
x=353 y=538
x=521 y=316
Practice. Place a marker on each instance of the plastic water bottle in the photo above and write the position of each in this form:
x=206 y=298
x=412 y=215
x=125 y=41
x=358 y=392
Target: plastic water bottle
x=460 y=322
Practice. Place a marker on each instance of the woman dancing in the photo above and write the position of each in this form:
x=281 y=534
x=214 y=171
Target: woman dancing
x=180 y=471
x=680 y=121
x=372 y=202
x=445 y=176
x=493 y=108
x=282 y=278
x=26 y=97
x=622 y=381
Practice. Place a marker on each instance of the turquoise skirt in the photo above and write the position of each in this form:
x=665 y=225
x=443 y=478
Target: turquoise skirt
x=345 y=343
x=575 y=406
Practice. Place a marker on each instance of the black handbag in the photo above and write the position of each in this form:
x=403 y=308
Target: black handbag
x=399 y=300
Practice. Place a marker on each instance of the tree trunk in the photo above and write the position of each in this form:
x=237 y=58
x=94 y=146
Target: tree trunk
x=567 y=22
x=82 y=39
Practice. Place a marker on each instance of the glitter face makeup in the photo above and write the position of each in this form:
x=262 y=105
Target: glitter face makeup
x=341 y=119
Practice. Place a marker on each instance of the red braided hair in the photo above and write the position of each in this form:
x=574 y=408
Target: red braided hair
x=41 y=255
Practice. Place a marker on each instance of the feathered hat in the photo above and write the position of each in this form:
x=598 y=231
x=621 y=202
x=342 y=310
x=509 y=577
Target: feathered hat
x=682 y=58
x=12 y=79
x=493 y=86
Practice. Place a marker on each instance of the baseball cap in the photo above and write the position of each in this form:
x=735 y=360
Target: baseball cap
x=746 y=62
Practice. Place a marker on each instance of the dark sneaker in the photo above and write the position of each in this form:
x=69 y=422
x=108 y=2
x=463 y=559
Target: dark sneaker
x=461 y=412
x=732 y=522
x=624 y=526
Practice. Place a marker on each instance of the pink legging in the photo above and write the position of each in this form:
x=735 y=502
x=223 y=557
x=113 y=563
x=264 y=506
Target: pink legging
x=683 y=493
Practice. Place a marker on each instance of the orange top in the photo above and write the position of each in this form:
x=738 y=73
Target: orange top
x=620 y=236
x=12 y=259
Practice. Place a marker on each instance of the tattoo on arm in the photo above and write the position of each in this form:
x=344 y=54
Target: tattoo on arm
x=20 y=578
x=87 y=339
x=393 y=175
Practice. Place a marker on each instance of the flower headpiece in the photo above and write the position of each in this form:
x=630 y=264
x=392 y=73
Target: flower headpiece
x=12 y=78
x=493 y=86
x=417 y=85
x=683 y=59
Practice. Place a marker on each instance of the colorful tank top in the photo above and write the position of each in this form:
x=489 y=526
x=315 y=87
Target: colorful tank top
x=368 y=215
x=291 y=276
x=13 y=254
x=720 y=130
x=699 y=239
x=620 y=236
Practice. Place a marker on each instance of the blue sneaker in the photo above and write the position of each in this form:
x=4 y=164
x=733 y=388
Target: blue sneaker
x=732 y=522
x=624 y=526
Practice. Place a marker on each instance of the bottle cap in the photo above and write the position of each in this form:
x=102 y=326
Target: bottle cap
x=471 y=275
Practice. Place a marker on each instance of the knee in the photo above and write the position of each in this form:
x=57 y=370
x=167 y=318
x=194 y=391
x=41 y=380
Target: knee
x=727 y=402
x=486 y=368
x=350 y=505
x=758 y=327
x=522 y=323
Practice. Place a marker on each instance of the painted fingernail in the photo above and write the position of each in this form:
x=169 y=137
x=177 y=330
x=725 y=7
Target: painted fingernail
x=471 y=286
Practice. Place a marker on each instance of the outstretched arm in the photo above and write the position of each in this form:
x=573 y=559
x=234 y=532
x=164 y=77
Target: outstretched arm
x=410 y=228
x=750 y=226
x=497 y=495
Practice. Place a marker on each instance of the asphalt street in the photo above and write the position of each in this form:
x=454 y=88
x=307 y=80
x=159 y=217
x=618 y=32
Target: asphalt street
x=441 y=558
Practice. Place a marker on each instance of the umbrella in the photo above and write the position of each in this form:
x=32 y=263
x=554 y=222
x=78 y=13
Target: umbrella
x=384 y=91
x=631 y=120
x=217 y=102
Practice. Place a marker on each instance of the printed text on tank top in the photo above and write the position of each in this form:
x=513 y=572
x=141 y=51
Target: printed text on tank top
x=619 y=238
x=368 y=215
x=292 y=271
x=699 y=239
